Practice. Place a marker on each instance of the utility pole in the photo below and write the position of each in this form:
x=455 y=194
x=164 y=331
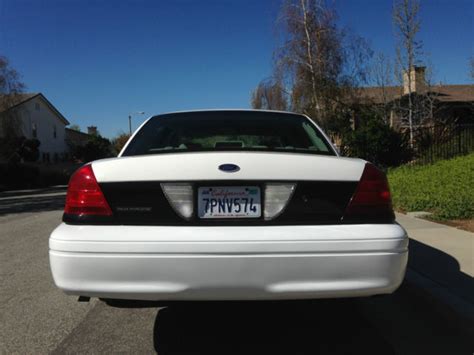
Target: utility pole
x=130 y=120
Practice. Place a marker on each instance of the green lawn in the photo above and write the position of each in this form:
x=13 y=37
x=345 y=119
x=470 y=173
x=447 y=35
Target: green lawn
x=445 y=188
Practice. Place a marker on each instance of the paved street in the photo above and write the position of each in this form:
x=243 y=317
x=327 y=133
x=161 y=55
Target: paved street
x=35 y=317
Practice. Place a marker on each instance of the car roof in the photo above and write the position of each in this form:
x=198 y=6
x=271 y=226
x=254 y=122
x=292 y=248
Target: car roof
x=229 y=110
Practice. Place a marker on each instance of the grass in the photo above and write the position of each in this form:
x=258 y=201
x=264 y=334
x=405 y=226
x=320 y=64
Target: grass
x=445 y=188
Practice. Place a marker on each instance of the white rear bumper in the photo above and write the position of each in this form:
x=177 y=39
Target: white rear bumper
x=228 y=263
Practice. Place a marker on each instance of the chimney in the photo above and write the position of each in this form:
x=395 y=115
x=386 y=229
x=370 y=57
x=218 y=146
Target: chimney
x=92 y=130
x=417 y=78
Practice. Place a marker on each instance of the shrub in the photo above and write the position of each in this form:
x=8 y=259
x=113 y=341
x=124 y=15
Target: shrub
x=15 y=149
x=18 y=175
x=97 y=147
x=444 y=188
x=53 y=177
x=377 y=142
x=29 y=150
x=119 y=142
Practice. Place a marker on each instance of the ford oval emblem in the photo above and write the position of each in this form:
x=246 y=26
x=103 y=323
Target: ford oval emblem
x=229 y=168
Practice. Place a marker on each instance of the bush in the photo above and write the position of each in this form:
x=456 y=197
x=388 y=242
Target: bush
x=376 y=142
x=119 y=142
x=15 y=149
x=53 y=177
x=444 y=188
x=18 y=175
x=97 y=147
x=29 y=149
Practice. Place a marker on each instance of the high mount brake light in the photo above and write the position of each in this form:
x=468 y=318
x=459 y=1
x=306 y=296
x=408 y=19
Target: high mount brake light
x=84 y=196
x=371 y=198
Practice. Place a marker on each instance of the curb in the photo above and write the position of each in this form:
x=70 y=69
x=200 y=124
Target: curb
x=453 y=307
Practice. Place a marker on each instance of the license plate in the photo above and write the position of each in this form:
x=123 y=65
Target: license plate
x=229 y=202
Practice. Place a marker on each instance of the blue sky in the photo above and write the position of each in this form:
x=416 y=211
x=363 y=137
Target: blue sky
x=97 y=61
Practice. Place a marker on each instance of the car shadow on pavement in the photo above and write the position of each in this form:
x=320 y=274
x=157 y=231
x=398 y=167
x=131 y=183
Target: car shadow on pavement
x=31 y=204
x=441 y=268
x=299 y=327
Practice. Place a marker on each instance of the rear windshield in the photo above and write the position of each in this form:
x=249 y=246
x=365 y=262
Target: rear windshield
x=228 y=131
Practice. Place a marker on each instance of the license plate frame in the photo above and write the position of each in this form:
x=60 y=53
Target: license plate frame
x=227 y=196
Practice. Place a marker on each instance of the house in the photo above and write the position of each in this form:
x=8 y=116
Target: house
x=431 y=103
x=38 y=119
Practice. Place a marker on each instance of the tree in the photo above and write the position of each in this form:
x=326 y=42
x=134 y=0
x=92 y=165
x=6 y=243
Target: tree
x=377 y=142
x=407 y=25
x=270 y=95
x=317 y=65
x=311 y=55
x=97 y=147
x=11 y=89
x=471 y=68
x=427 y=105
x=382 y=76
x=119 y=142
x=75 y=127
x=10 y=83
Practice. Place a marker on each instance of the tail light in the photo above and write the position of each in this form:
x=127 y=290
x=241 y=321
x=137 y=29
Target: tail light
x=84 y=196
x=371 y=200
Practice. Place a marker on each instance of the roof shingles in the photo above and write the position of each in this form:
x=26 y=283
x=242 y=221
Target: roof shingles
x=444 y=93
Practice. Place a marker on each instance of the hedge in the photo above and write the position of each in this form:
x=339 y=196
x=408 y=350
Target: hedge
x=445 y=188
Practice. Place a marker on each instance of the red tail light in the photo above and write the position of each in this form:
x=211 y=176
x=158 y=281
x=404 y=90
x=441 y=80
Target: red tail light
x=371 y=198
x=84 y=196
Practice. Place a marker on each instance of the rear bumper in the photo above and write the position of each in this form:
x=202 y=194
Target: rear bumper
x=228 y=263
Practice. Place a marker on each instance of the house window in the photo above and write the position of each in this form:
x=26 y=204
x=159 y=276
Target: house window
x=37 y=106
x=54 y=131
x=34 y=130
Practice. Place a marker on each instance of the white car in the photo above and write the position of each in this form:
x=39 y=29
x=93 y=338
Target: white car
x=228 y=205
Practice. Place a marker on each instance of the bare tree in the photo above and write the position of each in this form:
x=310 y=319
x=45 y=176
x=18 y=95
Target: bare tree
x=382 y=77
x=270 y=95
x=317 y=66
x=471 y=68
x=317 y=18
x=407 y=25
x=318 y=61
x=10 y=89
x=9 y=79
x=428 y=107
x=311 y=55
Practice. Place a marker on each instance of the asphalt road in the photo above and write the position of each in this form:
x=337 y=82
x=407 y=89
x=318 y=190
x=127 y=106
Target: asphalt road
x=37 y=318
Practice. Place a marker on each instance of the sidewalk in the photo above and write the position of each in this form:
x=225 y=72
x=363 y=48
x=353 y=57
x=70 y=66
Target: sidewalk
x=441 y=261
